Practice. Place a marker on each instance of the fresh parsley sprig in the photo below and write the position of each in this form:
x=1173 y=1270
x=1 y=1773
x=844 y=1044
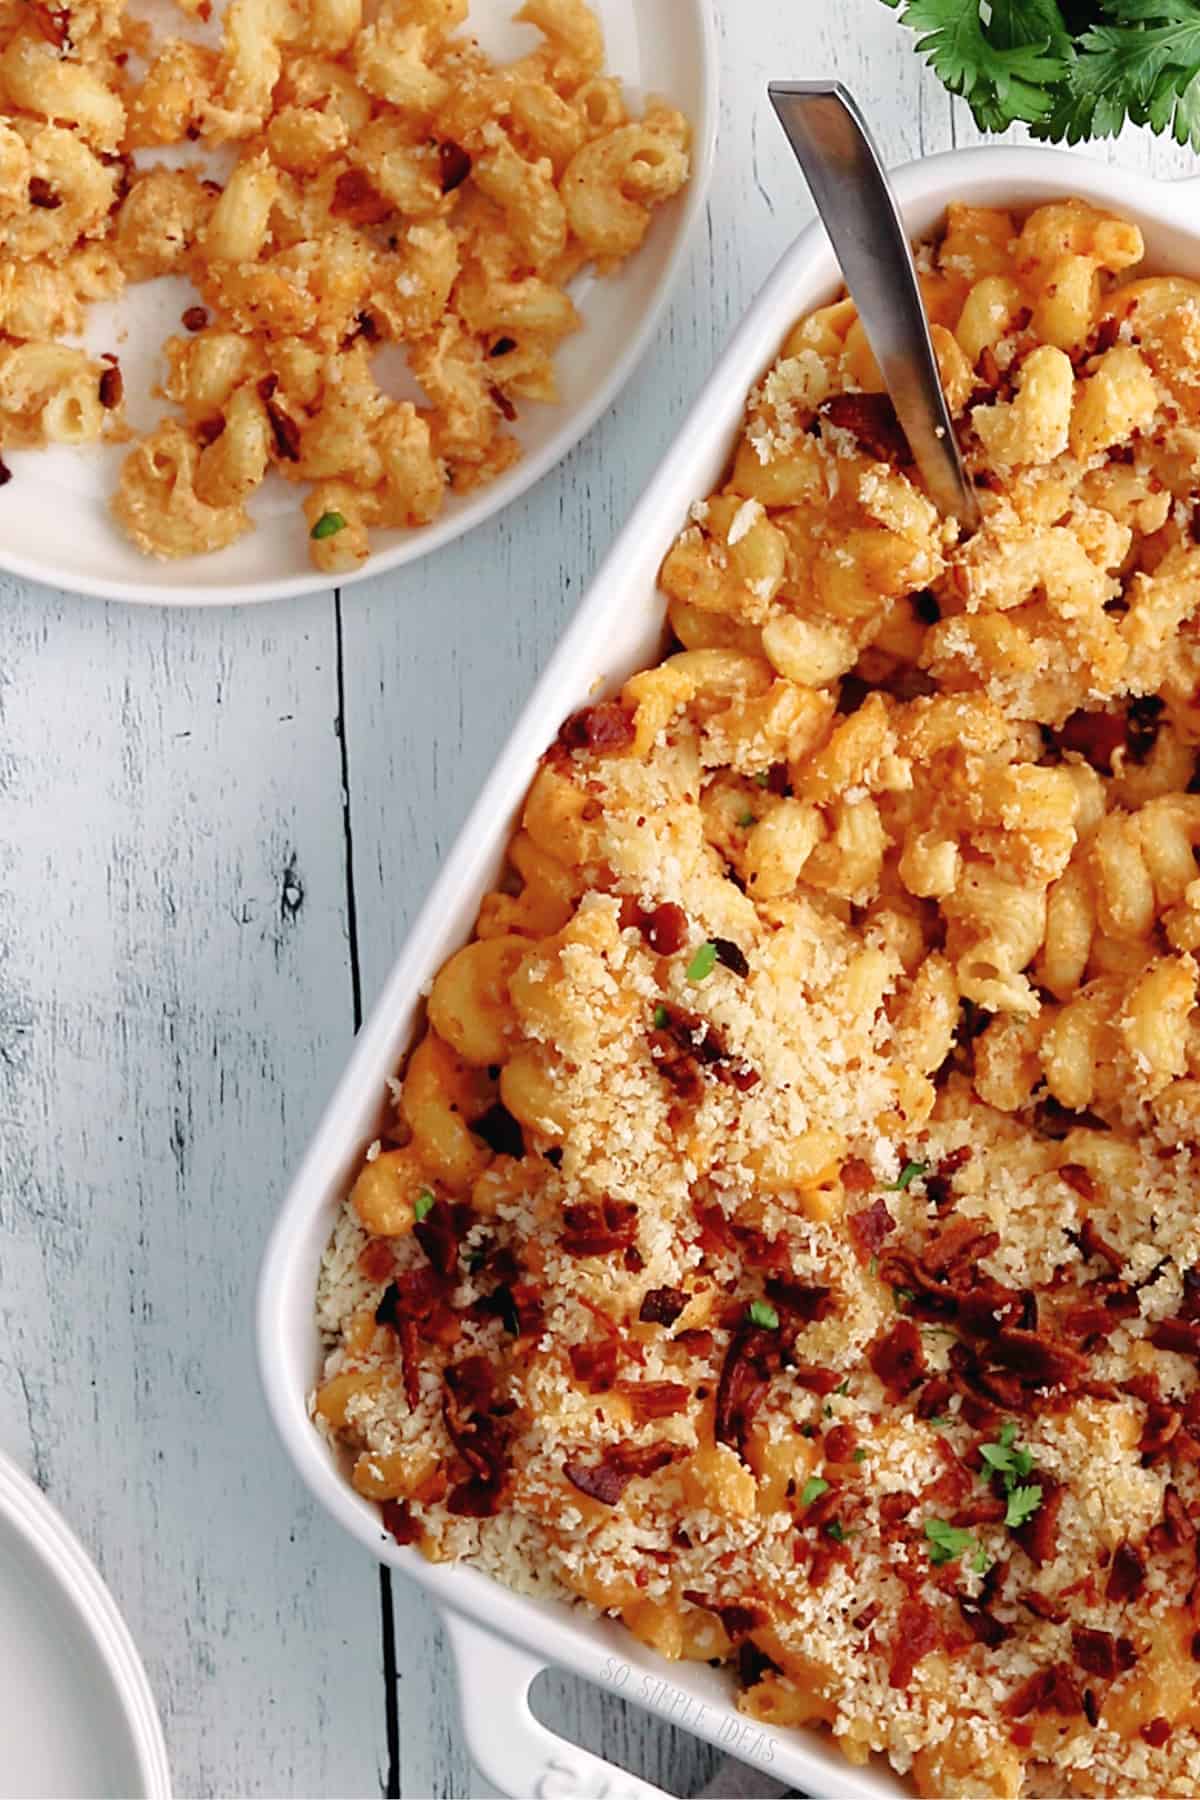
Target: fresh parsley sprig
x=1070 y=71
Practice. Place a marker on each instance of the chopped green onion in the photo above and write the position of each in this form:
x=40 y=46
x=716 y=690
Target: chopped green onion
x=328 y=525
x=908 y=1174
x=423 y=1204
x=702 y=964
x=662 y=1018
x=812 y=1490
x=860 y=1454
x=982 y=1560
x=761 y=1312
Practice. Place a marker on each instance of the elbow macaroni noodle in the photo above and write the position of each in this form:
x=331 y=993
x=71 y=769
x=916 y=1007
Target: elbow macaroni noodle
x=390 y=183
x=785 y=1238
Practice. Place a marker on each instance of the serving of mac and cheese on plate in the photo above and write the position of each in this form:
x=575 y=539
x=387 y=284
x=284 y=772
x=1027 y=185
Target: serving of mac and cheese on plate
x=364 y=232
x=784 y=1238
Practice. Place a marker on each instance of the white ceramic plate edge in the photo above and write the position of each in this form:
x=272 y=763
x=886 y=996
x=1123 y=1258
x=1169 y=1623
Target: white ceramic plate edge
x=61 y=1554
x=596 y=642
x=524 y=475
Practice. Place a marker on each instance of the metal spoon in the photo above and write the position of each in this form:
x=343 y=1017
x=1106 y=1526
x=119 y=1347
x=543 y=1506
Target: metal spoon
x=858 y=209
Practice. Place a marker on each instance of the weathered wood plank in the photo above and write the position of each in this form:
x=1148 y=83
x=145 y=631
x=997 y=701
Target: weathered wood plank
x=174 y=1005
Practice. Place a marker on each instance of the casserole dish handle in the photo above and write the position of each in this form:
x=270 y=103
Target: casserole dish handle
x=516 y=1753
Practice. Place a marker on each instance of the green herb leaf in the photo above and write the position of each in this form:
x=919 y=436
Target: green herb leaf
x=837 y=1531
x=843 y=1387
x=907 y=1176
x=423 y=1204
x=1008 y=64
x=328 y=525
x=1006 y=1458
x=702 y=964
x=662 y=1018
x=946 y=1542
x=981 y=1561
x=860 y=1454
x=1023 y=1502
x=761 y=1312
x=903 y=1295
x=812 y=1490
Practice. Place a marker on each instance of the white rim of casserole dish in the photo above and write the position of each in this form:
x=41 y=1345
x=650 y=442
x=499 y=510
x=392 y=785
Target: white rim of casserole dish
x=413 y=545
x=588 y=655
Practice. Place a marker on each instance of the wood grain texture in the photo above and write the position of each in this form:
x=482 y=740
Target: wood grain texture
x=177 y=995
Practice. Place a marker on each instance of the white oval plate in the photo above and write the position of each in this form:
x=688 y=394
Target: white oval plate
x=77 y=1718
x=54 y=521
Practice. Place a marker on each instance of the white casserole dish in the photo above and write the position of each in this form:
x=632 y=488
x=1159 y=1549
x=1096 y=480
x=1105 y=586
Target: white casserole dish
x=502 y=1640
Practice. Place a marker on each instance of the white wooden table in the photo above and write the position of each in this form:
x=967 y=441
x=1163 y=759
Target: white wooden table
x=214 y=828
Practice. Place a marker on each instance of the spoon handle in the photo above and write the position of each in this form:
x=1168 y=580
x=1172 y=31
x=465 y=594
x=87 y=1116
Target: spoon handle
x=857 y=208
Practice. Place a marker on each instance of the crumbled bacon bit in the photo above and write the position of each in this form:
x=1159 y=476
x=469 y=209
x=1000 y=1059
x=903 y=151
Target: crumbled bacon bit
x=1100 y=1653
x=869 y=1227
x=958 y=1245
x=1038 y=1536
x=1126 y=1575
x=898 y=1358
x=112 y=387
x=1054 y=1689
x=1105 y=335
x=438 y=1239
x=209 y=430
x=871 y=419
x=598 y=1227
x=1175 y=1529
x=662 y=1305
x=730 y=956
x=841 y=1441
x=1180 y=1335
x=803 y=1301
x=1079 y=1178
x=607 y=1480
x=1043 y=1607
x=454 y=165
x=1037 y=1360
x=594 y=1364
x=356 y=201
x=665 y=929
x=1156 y=1732
x=654 y=1399
x=398 y=1521
x=43 y=195
x=1090 y=1244
x=606 y=726
x=687 y=1043
x=1162 y=1425
x=857 y=1176
x=814 y=1379
x=1096 y=736
x=750 y=1361
x=917 y=1633
x=983 y=1625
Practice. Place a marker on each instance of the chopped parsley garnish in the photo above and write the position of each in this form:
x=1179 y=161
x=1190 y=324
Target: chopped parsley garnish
x=981 y=1560
x=662 y=1018
x=761 y=1312
x=328 y=525
x=837 y=1531
x=907 y=1175
x=812 y=1490
x=1023 y=1502
x=1005 y=1459
x=860 y=1454
x=746 y=819
x=702 y=964
x=947 y=1542
x=423 y=1204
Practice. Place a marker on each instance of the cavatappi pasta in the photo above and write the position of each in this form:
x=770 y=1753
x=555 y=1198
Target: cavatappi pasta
x=785 y=1238
x=390 y=183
